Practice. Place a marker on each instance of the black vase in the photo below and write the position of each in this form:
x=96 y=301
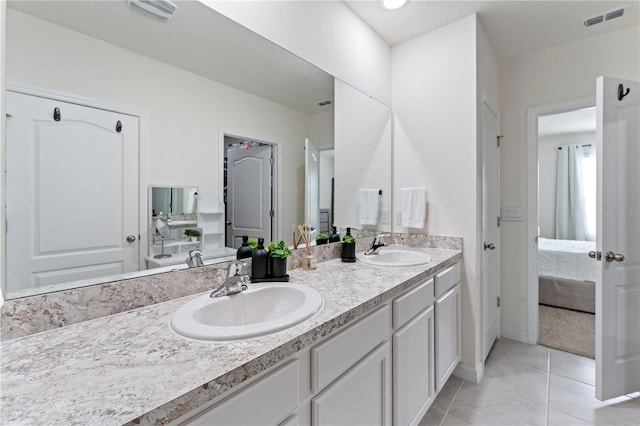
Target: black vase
x=348 y=252
x=259 y=261
x=278 y=267
x=321 y=241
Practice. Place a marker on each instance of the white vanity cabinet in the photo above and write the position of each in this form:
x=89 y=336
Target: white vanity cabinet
x=270 y=400
x=413 y=354
x=447 y=323
x=352 y=373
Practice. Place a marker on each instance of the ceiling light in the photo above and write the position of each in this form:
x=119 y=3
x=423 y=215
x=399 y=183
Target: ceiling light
x=392 y=4
x=162 y=10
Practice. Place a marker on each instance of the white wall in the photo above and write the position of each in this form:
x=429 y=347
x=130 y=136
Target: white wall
x=325 y=33
x=547 y=163
x=362 y=154
x=558 y=74
x=435 y=104
x=183 y=112
x=3 y=183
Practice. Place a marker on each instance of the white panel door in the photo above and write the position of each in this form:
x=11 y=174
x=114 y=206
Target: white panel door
x=618 y=239
x=413 y=367
x=72 y=192
x=490 y=228
x=249 y=194
x=311 y=186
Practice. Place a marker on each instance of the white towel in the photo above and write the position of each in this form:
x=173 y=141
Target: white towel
x=413 y=207
x=369 y=206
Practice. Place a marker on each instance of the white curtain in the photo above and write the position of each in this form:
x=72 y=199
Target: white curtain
x=575 y=193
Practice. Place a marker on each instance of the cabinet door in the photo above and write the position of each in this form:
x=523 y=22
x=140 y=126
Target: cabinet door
x=447 y=345
x=413 y=364
x=360 y=397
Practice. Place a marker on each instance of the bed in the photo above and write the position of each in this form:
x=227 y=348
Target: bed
x=566 y=274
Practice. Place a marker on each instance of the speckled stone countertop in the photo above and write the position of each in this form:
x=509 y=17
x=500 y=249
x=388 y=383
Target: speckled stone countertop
x=131 y=368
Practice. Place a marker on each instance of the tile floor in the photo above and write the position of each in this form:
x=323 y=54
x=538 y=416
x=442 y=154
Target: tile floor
x=530 y=385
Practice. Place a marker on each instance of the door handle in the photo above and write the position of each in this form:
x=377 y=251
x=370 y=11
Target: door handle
x=489 y=246
x=227 y=222
x=595 y=255
x=131 y=238
x=611 y=256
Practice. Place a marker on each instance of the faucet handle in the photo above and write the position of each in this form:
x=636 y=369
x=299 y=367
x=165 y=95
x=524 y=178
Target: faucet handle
x=379 y=239
x=235 y=268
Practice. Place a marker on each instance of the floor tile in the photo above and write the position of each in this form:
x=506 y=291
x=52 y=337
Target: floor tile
x=504 y=380
x=433 y=417
x=491 y=404
x=578 y=399
x=572 y=366
x=510 y=351
x=447 y=393
x=451 y=420
x=558 y=418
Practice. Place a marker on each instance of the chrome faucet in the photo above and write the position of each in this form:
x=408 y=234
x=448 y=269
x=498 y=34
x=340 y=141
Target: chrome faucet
x=377 y=243
x=235 y=283
x=195 y=259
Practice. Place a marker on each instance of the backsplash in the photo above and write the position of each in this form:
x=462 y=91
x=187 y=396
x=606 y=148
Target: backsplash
x=30 y=315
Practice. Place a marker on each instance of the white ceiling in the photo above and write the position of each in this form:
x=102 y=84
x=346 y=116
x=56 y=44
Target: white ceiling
x=204 y=42
x=581 y=120
x=514 y=28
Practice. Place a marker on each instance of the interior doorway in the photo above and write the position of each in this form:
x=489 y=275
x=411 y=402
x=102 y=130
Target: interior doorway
x=562 y=212
x=249 y=190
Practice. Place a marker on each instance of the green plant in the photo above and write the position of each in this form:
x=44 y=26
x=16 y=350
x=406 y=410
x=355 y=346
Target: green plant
x=322 y=236
x=252 y=243
x=192 y=233
x=279 y=250
x=348 y=239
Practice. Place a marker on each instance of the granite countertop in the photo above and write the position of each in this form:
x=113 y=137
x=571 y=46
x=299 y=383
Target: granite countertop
x=131 y=368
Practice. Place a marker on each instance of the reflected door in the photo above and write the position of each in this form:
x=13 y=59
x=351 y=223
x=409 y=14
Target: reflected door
x=311 y=186
x=72 y=192
x=617 y=238
x=249 y=194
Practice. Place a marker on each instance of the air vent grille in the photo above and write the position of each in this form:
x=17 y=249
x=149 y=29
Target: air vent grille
x=614 y=14
x=593 y=21
x=606 y=16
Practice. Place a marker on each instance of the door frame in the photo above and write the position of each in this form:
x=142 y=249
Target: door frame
x=277 y=172
x=532 y=203
x=143 y=234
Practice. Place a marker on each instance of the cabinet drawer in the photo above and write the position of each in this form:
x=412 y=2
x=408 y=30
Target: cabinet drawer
x=334 y=357
x=269 y=401
x=411 y=303
x=446 y=279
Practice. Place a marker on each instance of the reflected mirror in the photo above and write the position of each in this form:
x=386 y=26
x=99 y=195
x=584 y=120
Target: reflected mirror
x=179 y=87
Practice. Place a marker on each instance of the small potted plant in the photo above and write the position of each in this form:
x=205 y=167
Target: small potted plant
x=252 y=243
x=278 y=254
x=348 y=247
x=193 y=234
x=322 y=238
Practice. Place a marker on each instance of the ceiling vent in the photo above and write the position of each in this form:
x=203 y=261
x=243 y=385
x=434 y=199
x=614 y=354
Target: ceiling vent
x=161 y=10
x=607 y=16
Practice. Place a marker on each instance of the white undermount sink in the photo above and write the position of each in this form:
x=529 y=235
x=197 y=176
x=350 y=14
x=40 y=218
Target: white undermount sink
x=260 y=310
x=389 y=256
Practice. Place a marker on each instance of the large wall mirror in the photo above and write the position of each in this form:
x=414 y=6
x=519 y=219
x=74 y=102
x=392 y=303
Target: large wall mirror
x=187 y=89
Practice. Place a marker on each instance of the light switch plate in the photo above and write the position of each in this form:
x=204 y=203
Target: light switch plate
x=398 y=217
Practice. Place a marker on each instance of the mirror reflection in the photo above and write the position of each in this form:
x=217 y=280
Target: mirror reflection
x=167 y=95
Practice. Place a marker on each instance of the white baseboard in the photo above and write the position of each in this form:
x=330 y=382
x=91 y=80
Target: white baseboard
x=469 y=374
x=519 y=336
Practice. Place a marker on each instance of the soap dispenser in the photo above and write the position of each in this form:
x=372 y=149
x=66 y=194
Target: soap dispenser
x=334 y=237
x=244 y=251
x=348 y=247
x=259 y=262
